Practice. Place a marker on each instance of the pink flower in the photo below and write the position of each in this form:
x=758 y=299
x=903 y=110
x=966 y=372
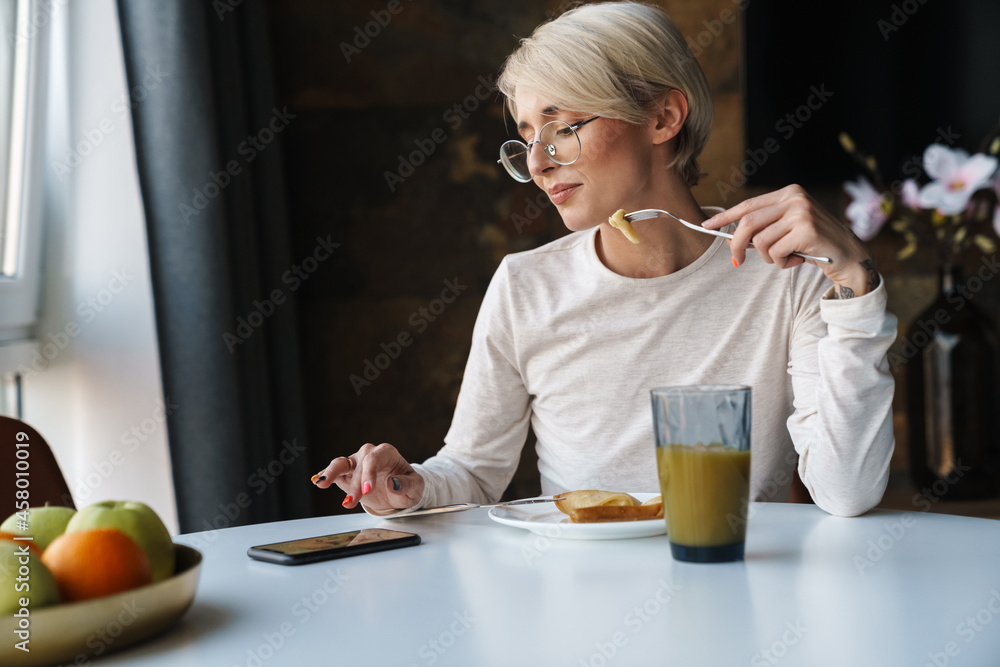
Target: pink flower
x=911 y=193
x=996 y=211
x=956 y=176
x=865 y=211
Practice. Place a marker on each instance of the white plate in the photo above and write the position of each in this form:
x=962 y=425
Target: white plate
x=546 y=520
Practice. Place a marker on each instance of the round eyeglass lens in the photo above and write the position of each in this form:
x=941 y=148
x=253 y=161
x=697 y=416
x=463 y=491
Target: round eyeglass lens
x=560 y=142
x=557 y=138
x=514 y=157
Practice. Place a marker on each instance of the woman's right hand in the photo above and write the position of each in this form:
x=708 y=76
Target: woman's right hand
x=378 y=476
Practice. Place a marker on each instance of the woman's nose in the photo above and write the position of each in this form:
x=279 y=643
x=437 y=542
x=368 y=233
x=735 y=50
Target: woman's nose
x=538 y=159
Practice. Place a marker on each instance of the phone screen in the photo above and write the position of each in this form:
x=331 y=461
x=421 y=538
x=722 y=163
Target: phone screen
x=326 y=547
x=338 y=541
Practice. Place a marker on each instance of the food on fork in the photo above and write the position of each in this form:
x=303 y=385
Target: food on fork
x=619 y=222
x=590 y=506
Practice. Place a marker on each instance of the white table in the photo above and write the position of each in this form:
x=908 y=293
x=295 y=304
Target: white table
x=888 y=588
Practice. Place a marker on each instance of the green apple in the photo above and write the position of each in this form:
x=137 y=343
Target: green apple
x=44 y=524
x=138 y=521
x=37 y=584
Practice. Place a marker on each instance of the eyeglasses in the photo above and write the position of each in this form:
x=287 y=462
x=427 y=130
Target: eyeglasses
x=559 y=140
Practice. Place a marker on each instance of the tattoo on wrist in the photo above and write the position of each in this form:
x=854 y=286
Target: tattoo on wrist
x=873 y=277
x=845 y=292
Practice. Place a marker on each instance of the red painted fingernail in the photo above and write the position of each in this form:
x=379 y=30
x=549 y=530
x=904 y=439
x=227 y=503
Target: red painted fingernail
x=735 y=263
x=365 y=488
x=348 y=500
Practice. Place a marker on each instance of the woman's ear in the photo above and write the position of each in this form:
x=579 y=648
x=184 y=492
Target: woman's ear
x=671 y=112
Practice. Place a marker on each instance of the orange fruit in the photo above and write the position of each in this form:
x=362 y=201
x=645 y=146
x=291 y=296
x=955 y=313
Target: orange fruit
x=93 y=563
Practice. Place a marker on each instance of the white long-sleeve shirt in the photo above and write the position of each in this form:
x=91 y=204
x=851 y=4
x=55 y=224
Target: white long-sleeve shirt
x=568 y=346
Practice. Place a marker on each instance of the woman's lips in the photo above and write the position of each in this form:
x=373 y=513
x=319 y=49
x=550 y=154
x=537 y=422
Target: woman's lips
x=560 y=193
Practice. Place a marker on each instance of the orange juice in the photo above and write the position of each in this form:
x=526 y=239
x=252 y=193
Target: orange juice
x=705 y=490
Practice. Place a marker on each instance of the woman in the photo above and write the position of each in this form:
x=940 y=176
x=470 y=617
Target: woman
x=612 y=110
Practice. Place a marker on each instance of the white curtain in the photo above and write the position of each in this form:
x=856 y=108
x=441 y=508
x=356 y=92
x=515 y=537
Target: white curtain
x=93 y=386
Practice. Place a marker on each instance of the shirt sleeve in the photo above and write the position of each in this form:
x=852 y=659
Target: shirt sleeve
x=491 y=420
x=841 y=425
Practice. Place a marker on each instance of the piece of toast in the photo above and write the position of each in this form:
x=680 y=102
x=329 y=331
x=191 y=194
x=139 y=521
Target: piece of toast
x=590 y=506
x=618 y=513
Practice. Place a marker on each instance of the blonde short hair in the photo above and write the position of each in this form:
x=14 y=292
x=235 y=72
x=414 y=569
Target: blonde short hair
x=615 y=60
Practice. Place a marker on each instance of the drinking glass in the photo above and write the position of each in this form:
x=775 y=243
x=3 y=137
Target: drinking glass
x=703 y=459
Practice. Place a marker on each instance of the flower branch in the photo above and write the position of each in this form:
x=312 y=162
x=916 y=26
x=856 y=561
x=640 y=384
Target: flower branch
x=955 y=206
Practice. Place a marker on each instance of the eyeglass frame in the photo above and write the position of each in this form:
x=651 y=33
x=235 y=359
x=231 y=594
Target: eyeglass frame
x=548 y=147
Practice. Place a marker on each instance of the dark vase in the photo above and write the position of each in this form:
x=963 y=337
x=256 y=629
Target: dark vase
x=953 y=396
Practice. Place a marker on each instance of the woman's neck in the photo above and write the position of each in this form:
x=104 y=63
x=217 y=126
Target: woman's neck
x=665 y=246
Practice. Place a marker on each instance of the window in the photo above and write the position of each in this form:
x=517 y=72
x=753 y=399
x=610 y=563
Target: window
x=23 y=36
x=8 y=55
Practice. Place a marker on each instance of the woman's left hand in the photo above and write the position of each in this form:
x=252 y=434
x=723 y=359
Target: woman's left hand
x=787 y=220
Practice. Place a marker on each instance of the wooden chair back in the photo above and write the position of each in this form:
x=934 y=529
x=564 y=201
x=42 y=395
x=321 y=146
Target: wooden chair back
x=24 y=455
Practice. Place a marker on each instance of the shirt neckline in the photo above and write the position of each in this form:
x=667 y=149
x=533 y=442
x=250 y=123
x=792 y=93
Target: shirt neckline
x=604 y=271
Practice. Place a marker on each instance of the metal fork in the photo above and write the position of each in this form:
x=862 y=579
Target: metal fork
x=647 y=213
x=461 y=507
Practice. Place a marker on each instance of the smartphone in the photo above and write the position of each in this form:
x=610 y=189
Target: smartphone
x=327 y=547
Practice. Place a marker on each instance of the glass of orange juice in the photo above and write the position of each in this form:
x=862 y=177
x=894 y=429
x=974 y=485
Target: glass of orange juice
x=703 y=457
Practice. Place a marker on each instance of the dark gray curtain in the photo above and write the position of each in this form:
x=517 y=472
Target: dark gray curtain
x=208 y=148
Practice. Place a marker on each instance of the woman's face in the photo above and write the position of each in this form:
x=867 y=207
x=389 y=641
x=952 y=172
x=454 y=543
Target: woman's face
x=613 y=172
